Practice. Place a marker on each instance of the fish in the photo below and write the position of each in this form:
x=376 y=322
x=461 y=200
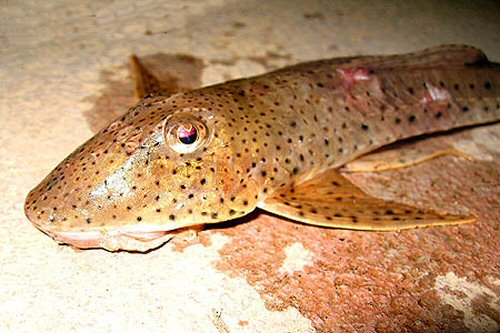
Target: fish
x=277 y=142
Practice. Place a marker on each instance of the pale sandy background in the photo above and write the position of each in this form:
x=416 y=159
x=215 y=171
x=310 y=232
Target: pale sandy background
x=52 y=57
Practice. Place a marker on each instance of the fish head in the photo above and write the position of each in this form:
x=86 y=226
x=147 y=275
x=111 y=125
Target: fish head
x=165 y=165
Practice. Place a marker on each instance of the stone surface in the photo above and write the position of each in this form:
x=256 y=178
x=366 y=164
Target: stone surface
x=61 y=65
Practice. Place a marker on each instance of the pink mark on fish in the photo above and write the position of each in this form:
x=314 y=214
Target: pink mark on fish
x=435 y=94
x=350 y=76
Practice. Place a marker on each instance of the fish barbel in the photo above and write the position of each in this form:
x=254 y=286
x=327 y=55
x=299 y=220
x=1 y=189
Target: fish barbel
x=274 y=141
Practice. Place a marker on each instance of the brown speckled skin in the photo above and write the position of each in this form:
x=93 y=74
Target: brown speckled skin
x=262 y=133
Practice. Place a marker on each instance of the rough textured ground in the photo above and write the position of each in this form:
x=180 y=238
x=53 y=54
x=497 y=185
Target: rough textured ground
x=62 y=74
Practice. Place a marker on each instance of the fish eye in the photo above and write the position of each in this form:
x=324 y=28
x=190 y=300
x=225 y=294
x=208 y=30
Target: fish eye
x=185 y=136
x=187 y=133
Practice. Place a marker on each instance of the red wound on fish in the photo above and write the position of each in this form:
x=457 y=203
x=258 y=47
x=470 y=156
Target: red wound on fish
x=350 y=76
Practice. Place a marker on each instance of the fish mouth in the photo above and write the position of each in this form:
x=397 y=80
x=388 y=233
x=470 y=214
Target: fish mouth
x=127 y=238
x=112 y=240
x=116 y=240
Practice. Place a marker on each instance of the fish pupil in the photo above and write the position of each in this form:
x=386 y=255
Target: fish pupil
x=187 y=134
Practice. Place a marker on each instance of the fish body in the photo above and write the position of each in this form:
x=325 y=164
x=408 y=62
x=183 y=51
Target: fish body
x=273 y=141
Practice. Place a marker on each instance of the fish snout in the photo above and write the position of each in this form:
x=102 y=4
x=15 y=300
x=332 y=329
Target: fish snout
x=55 y=219
x=45 y=209
x=31 y=210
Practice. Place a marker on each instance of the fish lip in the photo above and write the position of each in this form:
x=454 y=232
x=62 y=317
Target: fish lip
x=112 y=240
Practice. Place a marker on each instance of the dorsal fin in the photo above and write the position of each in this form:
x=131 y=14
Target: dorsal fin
x=145 y=83
x=443 y=55
x=165 y=74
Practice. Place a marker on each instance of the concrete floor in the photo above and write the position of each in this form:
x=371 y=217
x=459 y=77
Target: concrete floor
x=59 y=64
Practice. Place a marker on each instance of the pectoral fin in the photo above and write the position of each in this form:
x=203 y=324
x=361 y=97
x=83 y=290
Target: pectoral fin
x=330 y=200
x=402 y=156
